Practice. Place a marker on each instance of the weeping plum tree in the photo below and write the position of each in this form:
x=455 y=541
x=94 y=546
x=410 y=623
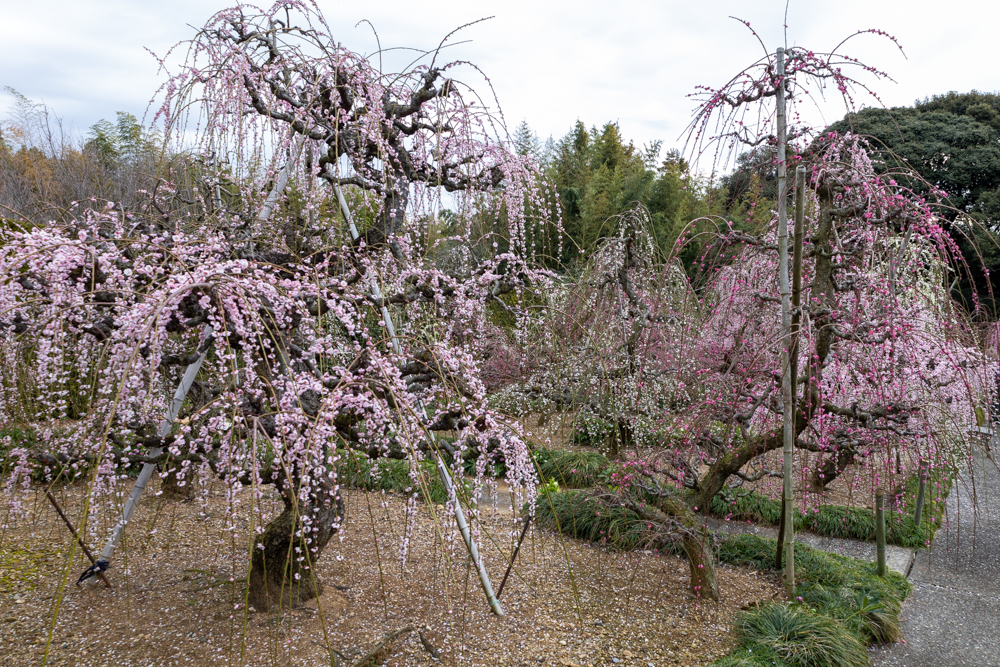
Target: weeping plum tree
x=612 y=345
x=886 y=362
x=106 y=309
x=611 y=337
x=886 y=368
x=872 y=356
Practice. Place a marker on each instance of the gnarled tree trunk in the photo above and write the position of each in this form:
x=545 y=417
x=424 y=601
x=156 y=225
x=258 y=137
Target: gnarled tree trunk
x=729 y=464
x=697 y=543
x=836 y=462
x=702 y=563
x=177 y=484
x=282 y=568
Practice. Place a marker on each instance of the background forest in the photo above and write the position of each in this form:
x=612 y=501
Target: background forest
x=951 y=141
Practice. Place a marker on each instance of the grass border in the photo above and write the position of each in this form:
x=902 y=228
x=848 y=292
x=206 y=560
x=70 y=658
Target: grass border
x=853 y=522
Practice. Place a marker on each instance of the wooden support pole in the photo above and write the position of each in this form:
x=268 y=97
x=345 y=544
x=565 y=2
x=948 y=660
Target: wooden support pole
x=880 y=531
x=513 y=557
x=79 y=540
x=921 y=490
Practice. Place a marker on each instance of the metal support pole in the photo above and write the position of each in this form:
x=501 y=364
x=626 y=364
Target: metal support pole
x=470 y=543
x=189 y=375
x=484 y=577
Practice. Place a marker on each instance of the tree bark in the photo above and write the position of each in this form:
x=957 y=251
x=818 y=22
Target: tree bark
x=621 y=439
x=835 y=464
x=171 y=486
x=702 y=564
x=729 y=464
x=284 y=557
x=697 y=544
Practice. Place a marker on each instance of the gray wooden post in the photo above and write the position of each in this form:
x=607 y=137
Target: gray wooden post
x=788 y=424
x=463 y=526
x=880 y=532
x=921 y=489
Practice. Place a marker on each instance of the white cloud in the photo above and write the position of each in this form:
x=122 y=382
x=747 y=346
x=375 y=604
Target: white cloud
x=551 y=62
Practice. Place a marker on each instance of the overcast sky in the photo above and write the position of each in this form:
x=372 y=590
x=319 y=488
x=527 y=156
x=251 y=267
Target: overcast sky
x=550 y=61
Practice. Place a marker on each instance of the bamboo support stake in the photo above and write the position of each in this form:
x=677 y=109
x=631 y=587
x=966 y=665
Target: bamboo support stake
x=793 y=345
x=880 y=532
x=185 y=385
x=788 y=426
x=921 y=490
x=168 y=422
x=793 y=333
x=463 y=526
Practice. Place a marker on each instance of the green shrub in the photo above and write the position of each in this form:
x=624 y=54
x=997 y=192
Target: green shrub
x=850 y=522
x=866 y=611
x=842 y=588
x=814 y=567
x=358 y=471
x=494 y=469
x=573 y=470
x=750 y=506
x=800 y=637
x=591 y=431
x=26 y=436
x=580 y=514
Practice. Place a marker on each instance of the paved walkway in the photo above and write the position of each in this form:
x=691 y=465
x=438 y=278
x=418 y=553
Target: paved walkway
x=953 y=615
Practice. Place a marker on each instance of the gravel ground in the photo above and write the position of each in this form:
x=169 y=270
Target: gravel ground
x=567 y=603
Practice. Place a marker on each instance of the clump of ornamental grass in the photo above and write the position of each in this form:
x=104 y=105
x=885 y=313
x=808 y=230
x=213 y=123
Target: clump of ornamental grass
x=799 y=637
x=572 y=470
x=586 y=516
x=814 y=567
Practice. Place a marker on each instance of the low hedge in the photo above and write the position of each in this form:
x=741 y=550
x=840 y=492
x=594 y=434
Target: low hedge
x=852 y=522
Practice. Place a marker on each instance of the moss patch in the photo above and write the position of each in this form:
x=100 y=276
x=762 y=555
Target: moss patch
x=20 y=568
